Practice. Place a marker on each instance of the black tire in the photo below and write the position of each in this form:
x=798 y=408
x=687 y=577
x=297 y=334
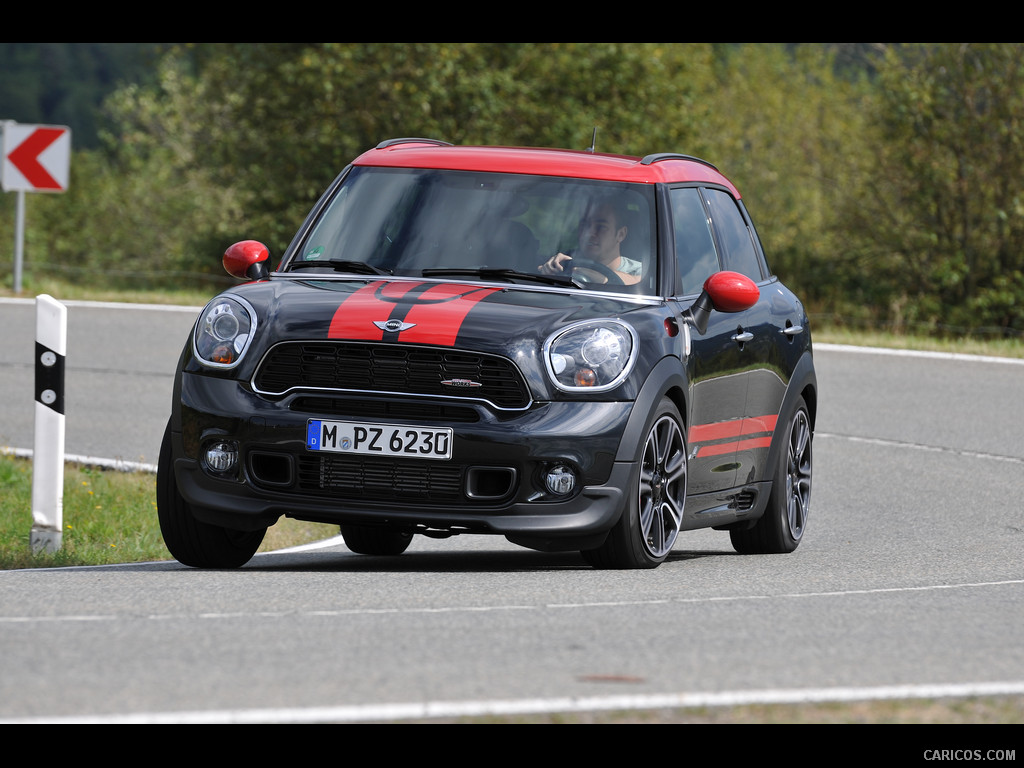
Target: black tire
x=782 y=526
x=191 y=541
x=650 y=523
x=375 y=540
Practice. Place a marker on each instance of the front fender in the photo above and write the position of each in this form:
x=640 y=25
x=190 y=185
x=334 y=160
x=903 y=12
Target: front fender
x=668 y=378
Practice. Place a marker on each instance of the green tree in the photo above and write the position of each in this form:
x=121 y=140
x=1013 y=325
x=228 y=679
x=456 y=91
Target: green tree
x=255 y=133
x=786 y=125
x=857 y=166
x=65 y=83
x=145 y=209
x=940 y=220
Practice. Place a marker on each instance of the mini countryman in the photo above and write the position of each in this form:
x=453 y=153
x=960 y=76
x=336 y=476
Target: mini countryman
x=576 y=351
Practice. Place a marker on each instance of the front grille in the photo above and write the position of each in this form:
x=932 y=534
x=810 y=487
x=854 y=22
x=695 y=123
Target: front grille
x=374 y=479
x=412 y=370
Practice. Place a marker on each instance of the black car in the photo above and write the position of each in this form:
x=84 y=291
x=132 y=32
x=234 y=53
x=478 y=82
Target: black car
x=573 y=350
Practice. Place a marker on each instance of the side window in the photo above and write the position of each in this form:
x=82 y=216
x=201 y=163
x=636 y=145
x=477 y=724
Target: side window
x=735 y=239
x=696 y=259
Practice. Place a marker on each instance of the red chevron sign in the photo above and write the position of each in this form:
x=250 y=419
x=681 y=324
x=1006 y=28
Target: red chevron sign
x=36 y=158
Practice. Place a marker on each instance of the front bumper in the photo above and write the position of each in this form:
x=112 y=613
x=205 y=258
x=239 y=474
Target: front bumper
x=494 y=482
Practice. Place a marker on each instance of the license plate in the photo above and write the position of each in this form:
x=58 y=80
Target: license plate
x=379 y=439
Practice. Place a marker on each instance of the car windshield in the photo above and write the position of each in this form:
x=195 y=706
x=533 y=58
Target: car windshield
x=492 y=226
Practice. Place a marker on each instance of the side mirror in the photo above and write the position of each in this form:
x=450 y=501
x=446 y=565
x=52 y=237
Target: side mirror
x=723 y=292
x=248 y=260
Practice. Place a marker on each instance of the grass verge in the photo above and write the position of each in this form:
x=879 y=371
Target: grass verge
x=109 y=517
x=63 y=290
x=987 y=710
x=1013 y=348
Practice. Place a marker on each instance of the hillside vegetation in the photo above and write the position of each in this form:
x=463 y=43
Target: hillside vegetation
x=885 y=179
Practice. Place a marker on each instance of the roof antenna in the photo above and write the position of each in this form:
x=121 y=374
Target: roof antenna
x=593 y=142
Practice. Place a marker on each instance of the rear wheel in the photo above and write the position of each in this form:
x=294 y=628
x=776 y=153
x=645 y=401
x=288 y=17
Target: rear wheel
x=191 y=541
x=782 y=526
x=373 y=540
x=649 y=525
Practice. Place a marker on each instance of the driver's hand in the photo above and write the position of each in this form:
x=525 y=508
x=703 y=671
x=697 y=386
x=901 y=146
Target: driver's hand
x=555 y=265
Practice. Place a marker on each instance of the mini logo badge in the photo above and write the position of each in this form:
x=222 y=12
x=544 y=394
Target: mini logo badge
x=461 y=383
x=393 y=326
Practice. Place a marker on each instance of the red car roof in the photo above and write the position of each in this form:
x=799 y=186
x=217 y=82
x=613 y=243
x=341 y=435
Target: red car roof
x=413 y=153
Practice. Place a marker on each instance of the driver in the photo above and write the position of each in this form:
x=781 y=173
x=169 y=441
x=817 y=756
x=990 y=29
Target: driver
x=602 y=231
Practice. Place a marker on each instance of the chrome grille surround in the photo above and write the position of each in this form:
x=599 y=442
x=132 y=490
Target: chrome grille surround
x=391 y=369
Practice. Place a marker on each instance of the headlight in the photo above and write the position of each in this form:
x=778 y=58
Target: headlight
x=223 y=332
x=591 y=356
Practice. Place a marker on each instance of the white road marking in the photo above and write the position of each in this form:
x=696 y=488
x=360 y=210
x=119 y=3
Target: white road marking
x=349 y=612
x=918 y=353
x=457 y=709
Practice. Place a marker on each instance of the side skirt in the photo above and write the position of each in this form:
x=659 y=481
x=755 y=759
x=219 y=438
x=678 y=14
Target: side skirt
x=723 y=509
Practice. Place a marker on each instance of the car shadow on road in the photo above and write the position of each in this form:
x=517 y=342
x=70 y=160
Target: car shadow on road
x=497 y=560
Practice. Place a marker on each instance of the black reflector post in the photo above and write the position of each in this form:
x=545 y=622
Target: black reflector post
x=48 y=453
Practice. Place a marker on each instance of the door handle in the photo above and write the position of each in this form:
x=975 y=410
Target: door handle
x=793 y=330
x=741 y=338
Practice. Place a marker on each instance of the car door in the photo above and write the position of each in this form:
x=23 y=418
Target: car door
x=757 y=334
x=718 y=389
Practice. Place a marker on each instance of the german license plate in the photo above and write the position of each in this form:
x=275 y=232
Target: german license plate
x=379 y=439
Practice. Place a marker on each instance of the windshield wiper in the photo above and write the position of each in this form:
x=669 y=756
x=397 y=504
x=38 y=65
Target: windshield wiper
x=502 y=274
x=340 y=265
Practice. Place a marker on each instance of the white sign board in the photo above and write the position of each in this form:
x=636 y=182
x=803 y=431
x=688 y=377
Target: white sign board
x=37 y=158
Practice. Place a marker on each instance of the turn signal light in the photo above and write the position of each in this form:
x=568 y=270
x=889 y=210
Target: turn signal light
x=585 y=377
x=223 y=354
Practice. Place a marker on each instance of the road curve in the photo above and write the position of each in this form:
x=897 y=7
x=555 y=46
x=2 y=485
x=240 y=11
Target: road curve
x=908 y=582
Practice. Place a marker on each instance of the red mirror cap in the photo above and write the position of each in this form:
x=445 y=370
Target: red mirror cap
x=240 y=257
x=731 y=291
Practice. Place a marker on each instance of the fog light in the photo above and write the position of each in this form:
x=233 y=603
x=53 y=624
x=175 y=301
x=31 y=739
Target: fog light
x=221 y=457
x=560 y=480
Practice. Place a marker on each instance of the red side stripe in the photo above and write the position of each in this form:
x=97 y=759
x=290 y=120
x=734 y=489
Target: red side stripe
x=721 y=430
x=700 y=433
x=716 y=450
x=757 y=442
x=724 y=430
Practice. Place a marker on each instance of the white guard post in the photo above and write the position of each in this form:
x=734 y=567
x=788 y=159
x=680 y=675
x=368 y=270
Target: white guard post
x=48 y=456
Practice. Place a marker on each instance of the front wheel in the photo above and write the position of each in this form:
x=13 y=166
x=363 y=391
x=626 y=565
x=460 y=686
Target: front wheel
x=189 y=540
x=649 y=525
x=782 y=526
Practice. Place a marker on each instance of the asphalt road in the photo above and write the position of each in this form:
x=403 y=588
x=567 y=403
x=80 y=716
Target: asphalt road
x=120 y=363
x=909 y=581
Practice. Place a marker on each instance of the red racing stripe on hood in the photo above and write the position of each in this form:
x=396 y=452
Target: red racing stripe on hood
x=439 y=319
x=432 y=315
x=356 y=316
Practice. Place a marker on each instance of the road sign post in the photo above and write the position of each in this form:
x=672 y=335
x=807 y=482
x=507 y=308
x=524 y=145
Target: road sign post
x=48 y=454
x=36 y=158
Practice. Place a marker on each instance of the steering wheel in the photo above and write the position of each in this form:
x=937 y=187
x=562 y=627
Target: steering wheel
x=593 y=269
